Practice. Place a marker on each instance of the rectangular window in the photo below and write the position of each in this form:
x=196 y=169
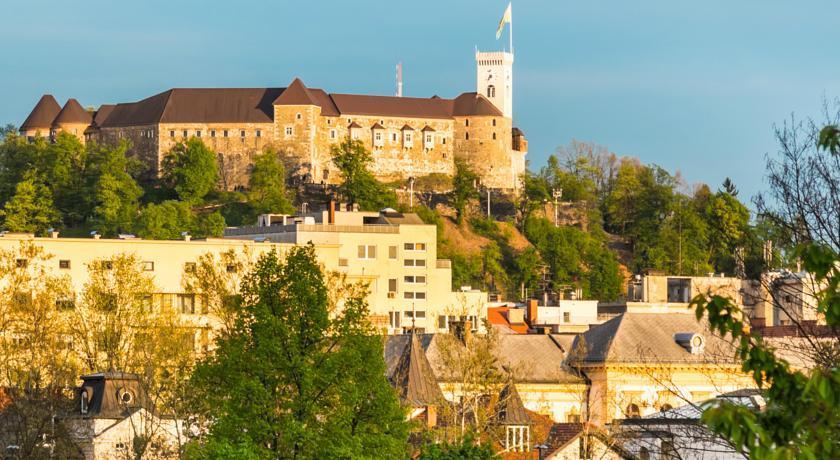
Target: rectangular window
x=198 y=133
x=394 y=319
x=392 y=285
x=148 y=266
x=414 y=314
x=393 y=137
x=64 y=264
x=212 y=133
x=343 y=263
x=414 y=295
x=377 y=136
x=494 y=136
x=414 y=262
x=567 y=317
x=429 y=139
x=408 y=138
x=186 y=303
x=467 y=122
x=333 y=134
x=412 y=279
x=172 y=133
x=242 y=133
x=258 y=133
x=289 y=131
x=225 y=133
x=186 y=133
x=354 y=133
x=367 y=252
x=392 y=252
x=679 y=290
x=415 y=246
x=467 y=136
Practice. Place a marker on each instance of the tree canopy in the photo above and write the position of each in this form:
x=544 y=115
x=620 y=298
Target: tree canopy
x=358 y=184
x=301 y=374
x=191 y=169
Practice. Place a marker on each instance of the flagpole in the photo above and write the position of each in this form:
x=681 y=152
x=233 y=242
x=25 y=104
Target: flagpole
x=510 y=28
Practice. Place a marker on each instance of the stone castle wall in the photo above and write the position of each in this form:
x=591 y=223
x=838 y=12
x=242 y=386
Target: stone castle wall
x=304 y=138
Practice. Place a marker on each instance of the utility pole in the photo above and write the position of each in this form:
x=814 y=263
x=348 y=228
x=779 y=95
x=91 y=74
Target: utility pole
x=557 y=194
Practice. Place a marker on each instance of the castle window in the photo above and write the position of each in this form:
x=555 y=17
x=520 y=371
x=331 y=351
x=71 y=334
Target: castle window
x=408 y=139
x=259 y=133
x=225 y=133
x=333 y=134
x=289 y=131
x=212 y=133
x=393 y=137
x=467 y=122
x=297 y=116
x=186 y=133
x=429 y=141
x=494 y=136
x=198 y=133
x=443 y=140
x=467 y=136
x=64 y=264
x=494 y=122
x=491 y=91
x=242 y=133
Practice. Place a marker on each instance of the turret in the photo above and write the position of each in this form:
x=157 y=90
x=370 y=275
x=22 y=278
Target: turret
x=40 y=120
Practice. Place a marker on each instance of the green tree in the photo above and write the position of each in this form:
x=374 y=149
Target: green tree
x=464 y=449
x=267 y=185
x=464 y=187
x=212 y=224
x=358 y=183
x=299 y=377
x=165 y=221
x=113 y=194
x=728 y=221
x=191 y=170
x=31 y=208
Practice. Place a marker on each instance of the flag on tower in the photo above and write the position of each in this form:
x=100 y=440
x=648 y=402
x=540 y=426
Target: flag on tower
x=505 y=20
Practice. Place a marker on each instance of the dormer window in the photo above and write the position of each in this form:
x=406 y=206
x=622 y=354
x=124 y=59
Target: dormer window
x=355 y=131
x=428 y=137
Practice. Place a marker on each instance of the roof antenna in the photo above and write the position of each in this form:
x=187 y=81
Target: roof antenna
x=399 y=79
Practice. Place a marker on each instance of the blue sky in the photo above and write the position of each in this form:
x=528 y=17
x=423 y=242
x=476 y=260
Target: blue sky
x=694 y=87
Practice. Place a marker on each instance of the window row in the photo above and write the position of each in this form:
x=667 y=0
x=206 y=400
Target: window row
x=368 y=251
x=214 y=133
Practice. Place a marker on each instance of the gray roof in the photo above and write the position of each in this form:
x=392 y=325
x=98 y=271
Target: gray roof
x=509 y=409
x=413 y=377
x=535 y=358
x=645 y=337
x=531 y=358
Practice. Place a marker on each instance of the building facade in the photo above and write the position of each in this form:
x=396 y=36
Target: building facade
x=407 y=136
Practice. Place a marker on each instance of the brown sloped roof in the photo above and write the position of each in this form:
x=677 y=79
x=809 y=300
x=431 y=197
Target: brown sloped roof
x=413 y=377
x=509 y=409
x=406 y=128
x=392 y=106
x=295 y=94
x=102 y=114
x=199 y=105
x=474 y=104
x=354 y=125
x=73 y=113
x=323 y=100
x=42 y=114
x=377 y=126
x=644 y=337
x=428 y=128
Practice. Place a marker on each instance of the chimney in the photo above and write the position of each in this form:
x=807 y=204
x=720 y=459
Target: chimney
x=431 y=416
x=532 y=312
x=331 y=214
x=53 y=234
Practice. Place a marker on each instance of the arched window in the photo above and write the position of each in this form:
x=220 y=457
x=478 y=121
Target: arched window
x=632 y=411
x=491 y=91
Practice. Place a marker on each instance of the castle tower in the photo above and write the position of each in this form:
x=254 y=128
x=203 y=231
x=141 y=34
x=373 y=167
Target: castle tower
x=494 y=79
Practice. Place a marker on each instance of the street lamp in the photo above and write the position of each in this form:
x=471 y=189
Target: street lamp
x=557 y=194
x=411 y=192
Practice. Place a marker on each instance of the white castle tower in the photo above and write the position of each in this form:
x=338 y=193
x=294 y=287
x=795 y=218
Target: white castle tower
x=494 y=79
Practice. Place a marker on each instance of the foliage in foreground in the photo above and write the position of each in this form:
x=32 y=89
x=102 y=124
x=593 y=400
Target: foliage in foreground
x=298 y=377
x=465 y=449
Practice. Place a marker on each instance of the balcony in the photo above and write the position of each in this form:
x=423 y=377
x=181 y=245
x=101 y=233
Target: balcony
x=264 y=230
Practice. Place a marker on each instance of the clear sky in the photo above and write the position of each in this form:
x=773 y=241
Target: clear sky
x=691 y=86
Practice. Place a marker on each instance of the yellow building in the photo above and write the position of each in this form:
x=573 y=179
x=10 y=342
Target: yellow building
x=642 y=363
x=396 y=257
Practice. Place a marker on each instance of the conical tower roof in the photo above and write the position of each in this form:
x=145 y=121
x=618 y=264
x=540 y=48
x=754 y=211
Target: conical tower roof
x=73 y=113
x=43 y=114
x=413 y=377
x=509 y=409
x=295 y=94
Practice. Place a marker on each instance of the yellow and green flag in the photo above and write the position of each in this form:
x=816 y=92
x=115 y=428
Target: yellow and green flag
x=505 y=20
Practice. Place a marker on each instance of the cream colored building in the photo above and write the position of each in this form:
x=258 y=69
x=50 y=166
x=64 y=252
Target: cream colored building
x=396 y=256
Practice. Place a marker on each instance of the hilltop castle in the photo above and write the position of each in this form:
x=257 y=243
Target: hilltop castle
x=408 y=136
